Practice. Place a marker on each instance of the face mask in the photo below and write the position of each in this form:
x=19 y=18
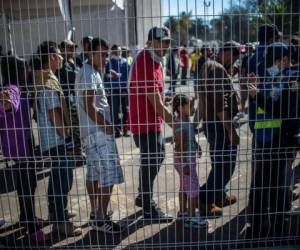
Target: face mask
x=117 y=58
x=273 y=71
x=154 y=56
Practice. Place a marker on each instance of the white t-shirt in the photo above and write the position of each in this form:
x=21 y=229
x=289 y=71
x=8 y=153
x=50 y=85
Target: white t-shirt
x=89 y=79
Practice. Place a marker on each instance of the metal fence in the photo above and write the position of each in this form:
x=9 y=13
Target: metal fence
x=173 y=124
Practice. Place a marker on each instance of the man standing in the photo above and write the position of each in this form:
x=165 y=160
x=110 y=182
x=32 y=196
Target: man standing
x=83 y=56
x=185 y=63
x=117 y=87
x=103 y=166
x=67 y=76
x=147 y=111
x=173 y=68
x=218 y=106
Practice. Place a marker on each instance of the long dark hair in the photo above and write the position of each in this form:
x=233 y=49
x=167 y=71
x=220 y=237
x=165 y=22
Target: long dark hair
x=178 y=101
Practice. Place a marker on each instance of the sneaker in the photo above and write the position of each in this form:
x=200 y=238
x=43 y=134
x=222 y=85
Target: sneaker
x=107 y=226
x=2 y=222
x=139 y=202
x=39 y=236
x=155 y=214
x=196 y=222
x=67 y=229
x=182 y=215
x=228 y=200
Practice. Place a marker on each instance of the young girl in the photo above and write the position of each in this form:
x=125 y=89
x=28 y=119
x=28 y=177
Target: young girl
x=185 y=161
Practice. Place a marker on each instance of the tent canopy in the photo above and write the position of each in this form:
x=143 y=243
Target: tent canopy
x=29 y=9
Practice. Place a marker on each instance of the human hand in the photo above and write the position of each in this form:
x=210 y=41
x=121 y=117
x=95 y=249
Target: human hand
x=5 y=99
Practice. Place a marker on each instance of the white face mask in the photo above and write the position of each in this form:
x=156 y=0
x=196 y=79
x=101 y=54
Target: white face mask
x=117 y=58
x=273 y=71
x=154 y=56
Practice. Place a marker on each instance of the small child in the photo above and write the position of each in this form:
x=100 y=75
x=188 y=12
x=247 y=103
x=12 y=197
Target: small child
x=185 y=161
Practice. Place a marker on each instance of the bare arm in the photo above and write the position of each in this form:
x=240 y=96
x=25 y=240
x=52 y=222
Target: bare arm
x=90 y=109
x=158 y=104
x=56 y=118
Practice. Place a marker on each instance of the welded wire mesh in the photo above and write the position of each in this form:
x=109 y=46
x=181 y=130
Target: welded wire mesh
x=188 y=108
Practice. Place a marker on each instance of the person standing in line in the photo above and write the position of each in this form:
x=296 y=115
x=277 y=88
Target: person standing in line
x=96 y=130
x=185 y=64
x=55 y=140
x=218 y=106
x=117 y=87
x=147 y=111
x=16 y=140
x=185 y=160
x=173 y=68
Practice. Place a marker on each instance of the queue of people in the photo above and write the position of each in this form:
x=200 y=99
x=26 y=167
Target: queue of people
x=81 y=108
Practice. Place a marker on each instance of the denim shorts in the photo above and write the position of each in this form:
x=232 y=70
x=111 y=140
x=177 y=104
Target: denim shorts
x=102 y=159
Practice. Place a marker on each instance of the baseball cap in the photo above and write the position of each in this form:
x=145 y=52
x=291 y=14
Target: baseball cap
x=159 y=33
x=67 y=43
x=275 y=51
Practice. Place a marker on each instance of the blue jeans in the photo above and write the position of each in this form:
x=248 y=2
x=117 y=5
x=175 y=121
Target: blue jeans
x=60 y=182
x=223 y=161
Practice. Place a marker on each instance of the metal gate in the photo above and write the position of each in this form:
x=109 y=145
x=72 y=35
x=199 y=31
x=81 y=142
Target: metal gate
x=182 y=116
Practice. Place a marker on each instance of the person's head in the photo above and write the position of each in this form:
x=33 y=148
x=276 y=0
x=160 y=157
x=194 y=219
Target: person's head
x=85 y=43
x=116 y=50
x=268 y=33
x=14 y=70
x=183 y=106
x=277 y=58
x=98 y=53
x=249 y=48
x=125 y=52
x=159 y=39
x=206 y=51
x=229 y=53
x=175 y=50
x=49 y=56
x=68 y=49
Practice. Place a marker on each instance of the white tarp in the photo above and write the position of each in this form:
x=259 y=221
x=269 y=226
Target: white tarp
x=65 y=7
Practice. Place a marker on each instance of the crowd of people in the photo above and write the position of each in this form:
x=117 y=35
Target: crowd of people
x=83 y=103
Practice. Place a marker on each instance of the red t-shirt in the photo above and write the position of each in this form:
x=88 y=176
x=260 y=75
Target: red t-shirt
x=146 y=77
x=184 y=57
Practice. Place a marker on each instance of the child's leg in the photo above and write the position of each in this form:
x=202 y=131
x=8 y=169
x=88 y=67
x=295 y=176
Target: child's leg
x=182 y=200
x=192 y=205
x=103 y=200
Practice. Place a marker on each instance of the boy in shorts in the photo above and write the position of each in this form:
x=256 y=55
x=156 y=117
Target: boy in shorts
x=103 y=165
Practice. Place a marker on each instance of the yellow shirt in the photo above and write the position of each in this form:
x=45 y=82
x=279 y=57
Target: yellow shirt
x=194 y=58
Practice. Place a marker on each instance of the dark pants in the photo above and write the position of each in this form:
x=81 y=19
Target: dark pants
x=270 y=193
x=173 y=82
x=223 y=161
x=118 y=101
x=60 y=182
x=26 y=186
x=75 y=131
x=152 y=155
x=183 y=76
